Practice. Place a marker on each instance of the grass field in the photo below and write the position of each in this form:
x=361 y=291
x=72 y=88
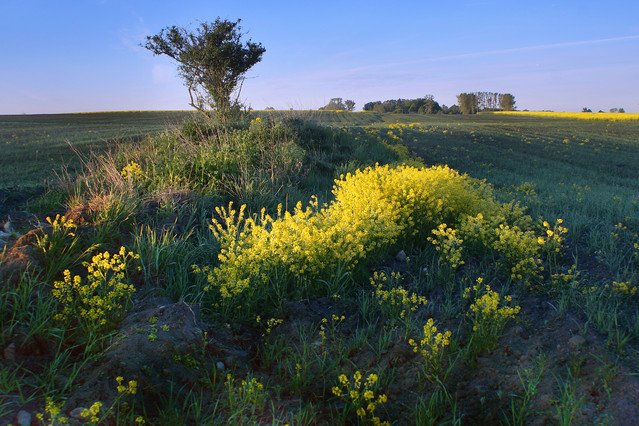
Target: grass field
x=35 y=146
x=501 y=289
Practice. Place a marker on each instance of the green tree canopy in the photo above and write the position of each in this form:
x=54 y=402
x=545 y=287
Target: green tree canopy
x=507 y=102
x=468 y=103
x=212 y=61
x=336 y=104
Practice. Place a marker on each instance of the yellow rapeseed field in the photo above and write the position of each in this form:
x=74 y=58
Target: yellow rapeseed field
x=572 y=115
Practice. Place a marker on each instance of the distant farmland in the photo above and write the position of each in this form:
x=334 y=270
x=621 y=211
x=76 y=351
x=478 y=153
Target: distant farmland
x=34 y=146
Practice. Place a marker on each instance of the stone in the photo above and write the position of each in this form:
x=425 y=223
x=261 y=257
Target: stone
x=401 y=256
x=576 y=342
x=8 y=228
x=23 y=418
x=76 y=413
x=516 y=330
x=220 y=365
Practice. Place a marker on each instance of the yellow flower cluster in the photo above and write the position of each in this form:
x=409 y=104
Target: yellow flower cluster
x=92 y=412
x=431 y=346
x=562 y=281
x=554 y=235
x=131 y=389
x=132 y=172
x=396 y=302
x=572 y=115
x=361 y=396
x=373 y=209
x=57 y=239
x=519 y=251
x=248 y=395
x=54 y=414
x=101 y=297
x=488 y=317
x=271 y=323
x=449 y=245
x=332 y=326
x=62 y=224
x=625 y=288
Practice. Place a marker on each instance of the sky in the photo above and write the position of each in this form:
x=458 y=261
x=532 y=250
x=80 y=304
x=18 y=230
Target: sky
x=83 y=56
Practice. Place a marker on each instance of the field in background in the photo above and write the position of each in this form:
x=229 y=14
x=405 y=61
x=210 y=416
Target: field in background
x=35 y=146
x=583 y=170
x=310 y=317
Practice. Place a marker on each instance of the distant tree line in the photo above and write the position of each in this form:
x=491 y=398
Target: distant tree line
x=469 y=103
x=612 y=110
x=472 y=103
x=425 y=105
x=336 y=104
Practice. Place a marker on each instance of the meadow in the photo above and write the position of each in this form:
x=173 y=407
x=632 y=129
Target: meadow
x=36 y=146
x=323 y=268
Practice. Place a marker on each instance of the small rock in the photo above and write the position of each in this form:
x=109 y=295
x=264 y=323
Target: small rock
x=516 y=330
x=23 y=418
x=576 y=342
x=8 y=228
x=76 y=413
x=220 y=365
x=401 y=256
x=10 y=352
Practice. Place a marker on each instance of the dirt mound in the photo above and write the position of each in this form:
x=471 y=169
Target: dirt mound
x=156 y=345
x=20 y=256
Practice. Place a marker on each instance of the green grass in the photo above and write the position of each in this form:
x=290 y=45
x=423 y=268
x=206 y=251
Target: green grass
x=36 y=146
x=584 y=172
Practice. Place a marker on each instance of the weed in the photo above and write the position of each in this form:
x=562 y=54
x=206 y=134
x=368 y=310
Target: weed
x=487 y=316
x=360 y=397
x=102 y=298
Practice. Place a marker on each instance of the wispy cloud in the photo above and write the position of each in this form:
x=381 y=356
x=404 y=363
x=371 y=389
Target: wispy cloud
x=495 y=52
x=531 y=48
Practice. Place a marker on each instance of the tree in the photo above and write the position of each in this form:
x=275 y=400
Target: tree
x=507 y=102
x=212 y=61
x=429 y=106
x=350 y=105
x=586 y=109
x=336 y=104
x=467 y=103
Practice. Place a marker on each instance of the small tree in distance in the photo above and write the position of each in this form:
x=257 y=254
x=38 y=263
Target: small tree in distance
x=350 y=105
x=507 y=102
x=336 y=104
x=212 y=62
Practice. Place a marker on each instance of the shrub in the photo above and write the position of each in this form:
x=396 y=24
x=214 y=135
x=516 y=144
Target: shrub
x=101 y=298
x=374 y=210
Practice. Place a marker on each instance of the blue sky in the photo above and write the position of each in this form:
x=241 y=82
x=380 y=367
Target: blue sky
x=77 y=56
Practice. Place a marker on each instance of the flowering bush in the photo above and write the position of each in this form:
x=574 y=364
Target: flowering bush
x=247 y=398
x=373 y=211
x=132 y=172
x=396 y=303
x=101 y=297
x=59 y=246
x=431 y=347
x=449 y=246
x=361 y=396
x=488 y=317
